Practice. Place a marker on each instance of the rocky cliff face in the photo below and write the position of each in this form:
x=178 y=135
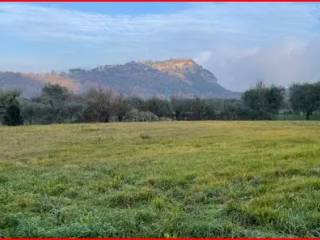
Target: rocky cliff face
x=175 y=77
x=184 y=69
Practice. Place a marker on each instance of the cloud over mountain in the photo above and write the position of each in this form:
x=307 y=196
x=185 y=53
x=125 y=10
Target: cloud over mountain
x=239 y=42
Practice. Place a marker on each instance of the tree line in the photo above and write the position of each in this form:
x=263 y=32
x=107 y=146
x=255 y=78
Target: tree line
x=57 y=104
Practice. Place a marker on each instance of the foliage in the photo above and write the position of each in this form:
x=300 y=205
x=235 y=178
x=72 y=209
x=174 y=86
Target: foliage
x=12 y=116
x=10 y=108
x=263 y=102
x=103 y=104
x=135 y=115
x=160 y=107
x=305 y=98
x=55 y=105
x=58 y=105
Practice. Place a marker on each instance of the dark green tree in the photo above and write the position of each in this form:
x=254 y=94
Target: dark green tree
x=10 y=108
x=12 y=116
x=121 y=107
x=100 y=105
x=305 y=98
x=56 y=105
x=160 y=107
x=263 y=102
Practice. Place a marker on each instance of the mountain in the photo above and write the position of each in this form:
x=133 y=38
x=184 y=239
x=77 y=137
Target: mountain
x=30 y=84
x=175 y=77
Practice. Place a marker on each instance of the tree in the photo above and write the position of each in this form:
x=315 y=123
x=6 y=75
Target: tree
x=54 y=98
x=305 y=98
x=55 y=105
x=274 y=99
x=198 y=109
x=100 y=105
x=12 y=116
x=192 y=108
x=32 y=112
x=54 y=93
x=160 y=107
x=136 y=103
x=120 y=107
x=10 y=108
x=232 y=110
x=263 y=102
x=179 y=108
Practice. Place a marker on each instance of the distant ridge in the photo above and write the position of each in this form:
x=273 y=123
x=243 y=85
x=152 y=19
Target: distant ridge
x=174 y=77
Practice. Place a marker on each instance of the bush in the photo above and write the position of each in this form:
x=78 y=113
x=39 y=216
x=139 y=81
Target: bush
x=10 y=108
x=140 y=116
x=12 y=116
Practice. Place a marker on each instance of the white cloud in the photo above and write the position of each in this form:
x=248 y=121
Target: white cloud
x=281 y=63
x=253 y=20
x=203 y=57
x=240 y=43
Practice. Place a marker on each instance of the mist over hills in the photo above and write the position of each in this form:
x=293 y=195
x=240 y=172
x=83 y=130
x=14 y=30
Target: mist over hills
x=174 y=77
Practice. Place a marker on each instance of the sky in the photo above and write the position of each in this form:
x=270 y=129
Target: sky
x=241 y=43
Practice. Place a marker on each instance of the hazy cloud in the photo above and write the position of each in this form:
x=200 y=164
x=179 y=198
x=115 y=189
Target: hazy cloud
x=280 y=63
x=240 y=43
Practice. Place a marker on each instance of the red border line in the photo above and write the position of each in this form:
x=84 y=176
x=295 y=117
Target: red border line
x=157 y=238
x=158 y=1
x=146 y=238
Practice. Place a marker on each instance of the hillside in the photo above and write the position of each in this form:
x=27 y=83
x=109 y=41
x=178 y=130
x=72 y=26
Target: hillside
x=176 y=77
x=30 y=84
x=12 y=80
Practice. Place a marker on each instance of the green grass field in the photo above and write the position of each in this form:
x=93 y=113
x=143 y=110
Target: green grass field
x=164 y=179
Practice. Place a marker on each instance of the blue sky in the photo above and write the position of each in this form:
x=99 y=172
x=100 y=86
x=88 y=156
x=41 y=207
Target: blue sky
x=241 y=43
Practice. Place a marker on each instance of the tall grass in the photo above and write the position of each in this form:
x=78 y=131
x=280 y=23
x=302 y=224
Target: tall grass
x=163 y=179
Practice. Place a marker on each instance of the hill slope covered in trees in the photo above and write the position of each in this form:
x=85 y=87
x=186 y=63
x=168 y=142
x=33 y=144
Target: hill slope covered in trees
x=178 y=77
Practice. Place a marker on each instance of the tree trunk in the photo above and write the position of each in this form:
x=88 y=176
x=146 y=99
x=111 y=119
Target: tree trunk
x=308 y=114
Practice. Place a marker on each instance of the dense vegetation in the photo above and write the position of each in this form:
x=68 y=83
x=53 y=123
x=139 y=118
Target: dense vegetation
x=161 y=179
x=58 y=105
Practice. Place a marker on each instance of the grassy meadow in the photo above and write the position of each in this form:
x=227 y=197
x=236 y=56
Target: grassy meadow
x=161 y=179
